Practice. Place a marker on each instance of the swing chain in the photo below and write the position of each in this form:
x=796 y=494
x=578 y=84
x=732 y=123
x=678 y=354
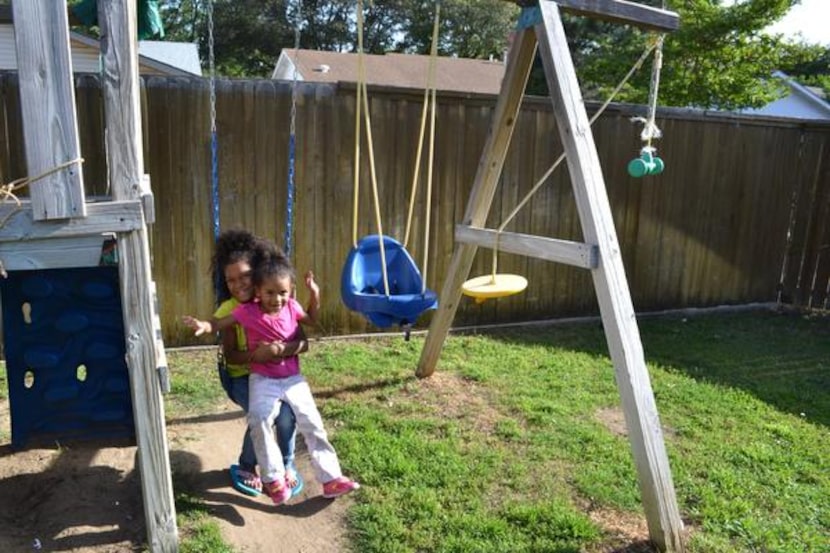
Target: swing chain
x=211 y=67
x=298 y=19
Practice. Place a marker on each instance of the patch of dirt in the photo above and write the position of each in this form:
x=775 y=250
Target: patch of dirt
x=628 y=532
x=613 y=419
x=87 y=497
x=453 y=397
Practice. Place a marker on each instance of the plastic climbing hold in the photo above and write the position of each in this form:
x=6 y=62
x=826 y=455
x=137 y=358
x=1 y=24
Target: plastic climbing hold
x=647 y=164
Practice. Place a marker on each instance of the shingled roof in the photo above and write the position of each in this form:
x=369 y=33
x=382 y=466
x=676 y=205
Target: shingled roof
x=398 y=70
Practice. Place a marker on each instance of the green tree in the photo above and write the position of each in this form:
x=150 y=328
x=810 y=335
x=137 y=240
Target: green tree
x=719 y=57
x=476 y=29
x=809 y=64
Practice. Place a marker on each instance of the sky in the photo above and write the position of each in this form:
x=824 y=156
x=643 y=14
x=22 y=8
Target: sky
x=811 y=17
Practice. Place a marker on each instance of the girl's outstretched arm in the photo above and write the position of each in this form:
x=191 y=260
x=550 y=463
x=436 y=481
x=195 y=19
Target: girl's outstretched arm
x=200 y=327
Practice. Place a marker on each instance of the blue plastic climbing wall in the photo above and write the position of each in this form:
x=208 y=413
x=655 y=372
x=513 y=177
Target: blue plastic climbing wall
x=64 y=345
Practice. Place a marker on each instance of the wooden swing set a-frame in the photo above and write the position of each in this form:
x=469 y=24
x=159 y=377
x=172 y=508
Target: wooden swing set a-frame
x=541 y=25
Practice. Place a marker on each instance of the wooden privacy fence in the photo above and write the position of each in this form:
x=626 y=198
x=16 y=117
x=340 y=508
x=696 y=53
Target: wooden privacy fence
x=741 y=213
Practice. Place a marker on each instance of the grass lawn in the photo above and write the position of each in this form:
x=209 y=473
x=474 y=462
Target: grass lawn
x=517 y=443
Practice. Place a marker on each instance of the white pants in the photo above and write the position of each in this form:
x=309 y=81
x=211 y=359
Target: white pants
x=266 y=396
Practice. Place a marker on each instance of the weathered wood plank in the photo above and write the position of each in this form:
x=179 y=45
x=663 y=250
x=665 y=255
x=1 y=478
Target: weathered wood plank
x=616 y=308
x=539 y=247
x=20 y=224
x=520 y=61
x=620 y=11
x=47 y=98
x=117 y=19
x=617 y=11
x=54 y=253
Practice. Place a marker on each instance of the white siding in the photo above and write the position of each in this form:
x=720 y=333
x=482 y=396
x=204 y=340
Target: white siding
x=86 y=58
x=8 y=55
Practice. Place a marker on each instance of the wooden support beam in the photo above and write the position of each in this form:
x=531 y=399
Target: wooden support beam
x=519 y=63
x=122 y=110
x=539 y=247
x=620 y=11
x=18 y=223
x=47 y=103
x=616 y=308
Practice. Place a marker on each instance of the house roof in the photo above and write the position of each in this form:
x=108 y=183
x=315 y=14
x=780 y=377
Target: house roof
x=812 y=94
x=181 y=55
x=799 y=102
x=393 y=69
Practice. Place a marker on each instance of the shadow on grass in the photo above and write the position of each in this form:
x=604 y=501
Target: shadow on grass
x=207 y=418
x=361 y=387
x=781 y=358
x=642 y=546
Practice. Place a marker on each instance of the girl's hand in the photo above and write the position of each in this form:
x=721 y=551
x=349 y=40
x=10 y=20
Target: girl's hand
x=199 y=326
x=267 y=352
x=311 y=284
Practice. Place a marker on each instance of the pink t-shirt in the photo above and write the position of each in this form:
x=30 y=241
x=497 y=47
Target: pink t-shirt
x=265 y=328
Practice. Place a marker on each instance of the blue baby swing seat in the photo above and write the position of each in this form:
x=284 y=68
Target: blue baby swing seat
x=362 y=289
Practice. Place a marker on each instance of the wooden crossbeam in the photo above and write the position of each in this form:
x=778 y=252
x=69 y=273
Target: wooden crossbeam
x=540 y=247
x=20 y=224
x=617 y=11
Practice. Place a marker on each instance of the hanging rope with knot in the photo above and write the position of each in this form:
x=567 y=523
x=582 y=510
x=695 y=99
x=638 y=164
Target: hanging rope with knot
x=7 y=191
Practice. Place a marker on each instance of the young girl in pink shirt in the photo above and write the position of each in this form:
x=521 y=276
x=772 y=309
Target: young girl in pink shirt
x=274 y=319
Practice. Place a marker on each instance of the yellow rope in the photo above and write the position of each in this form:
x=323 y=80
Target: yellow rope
x=431 y=159
x=373 y=173
x=430 y=87
x=357 y=134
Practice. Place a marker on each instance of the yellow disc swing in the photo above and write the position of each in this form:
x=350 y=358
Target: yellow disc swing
x=494 y=285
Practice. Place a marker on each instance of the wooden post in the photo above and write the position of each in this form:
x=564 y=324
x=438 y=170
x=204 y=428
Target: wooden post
x=47 y=102
x=519 y=63
x=616 y=308
x=117 y=19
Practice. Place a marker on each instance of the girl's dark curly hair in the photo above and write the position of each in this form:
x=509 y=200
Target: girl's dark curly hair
x=269 y=261
x=233 y=246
